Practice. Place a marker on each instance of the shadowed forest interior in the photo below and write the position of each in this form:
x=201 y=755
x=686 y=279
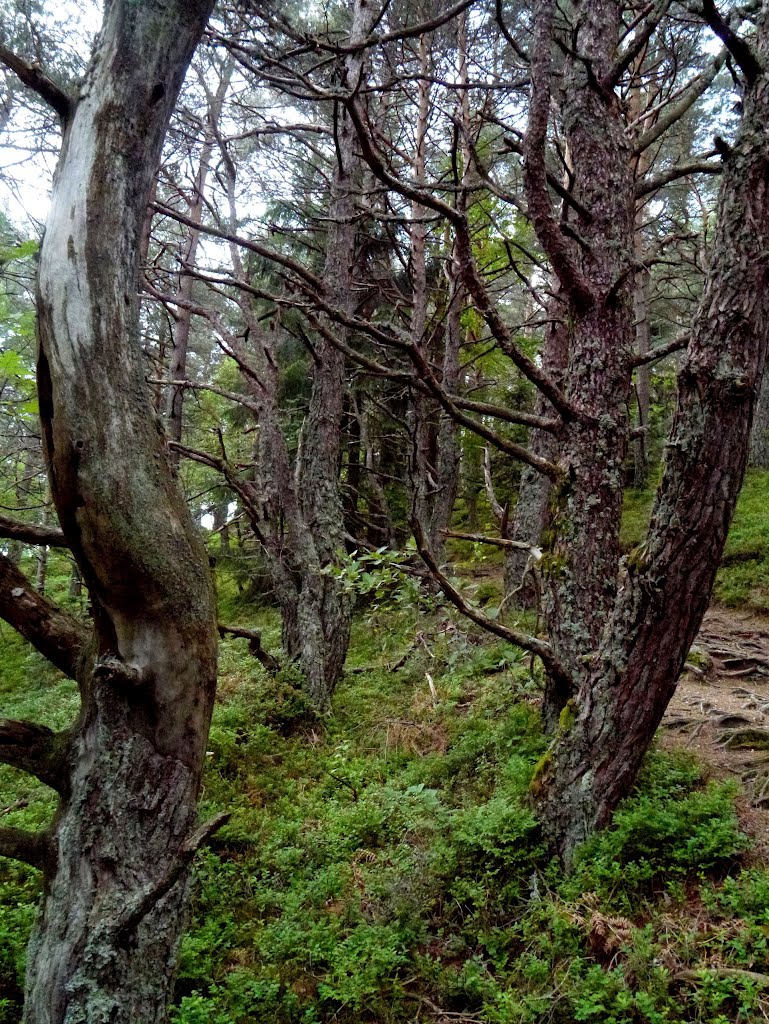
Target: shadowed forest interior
x=384 y=512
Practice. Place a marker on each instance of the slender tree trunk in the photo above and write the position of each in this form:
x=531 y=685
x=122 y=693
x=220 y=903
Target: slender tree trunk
x=531 y=509
x=41 y=569
x=112 y=913
x=177 y=370
x=435 y=446
x=642 y=381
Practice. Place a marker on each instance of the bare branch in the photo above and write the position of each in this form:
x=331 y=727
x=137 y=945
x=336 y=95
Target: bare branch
x=660 y=351
x=739 y=49
x=688 y=98
x=27 y=533
x=625 y=59
x=34 y=78
x=497 y=542
x=541 y=648
x=37 y=750
x=254 y=638
x=58 y=636
x=33 y=848
x=682 y=170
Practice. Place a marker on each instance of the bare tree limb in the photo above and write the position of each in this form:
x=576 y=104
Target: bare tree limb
x=36 y=80
x=59 y=637
x=37 y=750
x=254 y=638
x=688 y=98
x=648 y=185
x=33 y=848
x=660 y=351
x=626 y=58
x=27 y=533
x=739 y=49
x=541 y=648
x=497 y=542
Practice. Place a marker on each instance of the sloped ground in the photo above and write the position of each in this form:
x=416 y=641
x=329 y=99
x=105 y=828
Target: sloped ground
x=721 y=708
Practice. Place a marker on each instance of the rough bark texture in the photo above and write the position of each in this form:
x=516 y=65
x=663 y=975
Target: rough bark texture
x=579 y=568
x=58 y=637
x=113 y=910
x=435 y=446
x=759 y=438
x=664 y=586
x=296 y=509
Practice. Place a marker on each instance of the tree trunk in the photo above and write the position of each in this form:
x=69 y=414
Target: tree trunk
x=435 y=455
x=579 y=567
x=531 y=508
x=643 y=373
x=104 y=945
x=183 y=323
x=759 y=438
x=665 y=585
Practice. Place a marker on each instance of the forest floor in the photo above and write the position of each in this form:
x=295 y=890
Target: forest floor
x=720 y=710
x=382 y=865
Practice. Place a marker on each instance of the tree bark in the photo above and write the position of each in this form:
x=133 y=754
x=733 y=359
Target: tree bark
x=112 y=913
x=579 y=567
x=435 y=445
x=664 y=586
x=759 y=438
x=531 y=509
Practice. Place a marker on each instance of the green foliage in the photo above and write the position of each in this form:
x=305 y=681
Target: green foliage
x=661 y=833
x=385 y=861
x=379 y=576
x=743 y=579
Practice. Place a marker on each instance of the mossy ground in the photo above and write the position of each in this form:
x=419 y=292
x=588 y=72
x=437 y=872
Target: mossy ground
x=383 y=866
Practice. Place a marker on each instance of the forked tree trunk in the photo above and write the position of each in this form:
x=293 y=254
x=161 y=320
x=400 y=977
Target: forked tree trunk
x=113 y=910
x=664 y=586
x=579 y=567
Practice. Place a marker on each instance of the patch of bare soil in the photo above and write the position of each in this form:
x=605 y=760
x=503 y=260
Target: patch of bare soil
x=721 y=708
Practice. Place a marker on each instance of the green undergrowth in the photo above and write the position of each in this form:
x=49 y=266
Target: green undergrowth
x=383 y=866
x=743 y=579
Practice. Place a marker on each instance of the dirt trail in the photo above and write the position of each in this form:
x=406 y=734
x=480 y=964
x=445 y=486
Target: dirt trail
x=721 y=707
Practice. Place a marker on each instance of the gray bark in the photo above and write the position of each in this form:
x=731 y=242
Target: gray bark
x=531 y=510
x=759 y=437
x=296 y=510
x=104 y=945
x=183 y=323
x=435 y=446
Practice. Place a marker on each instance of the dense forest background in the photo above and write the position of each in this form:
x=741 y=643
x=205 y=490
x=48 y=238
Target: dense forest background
x=451 y=325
